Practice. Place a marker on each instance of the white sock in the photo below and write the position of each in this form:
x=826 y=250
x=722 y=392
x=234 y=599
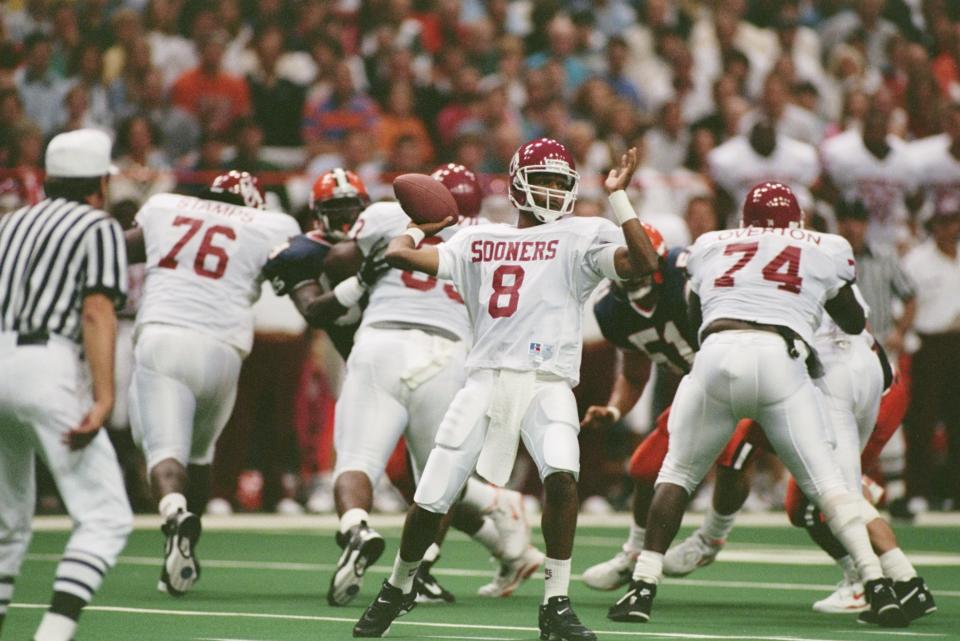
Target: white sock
x=556 y=575
x=480 y=495
x=352 y=517
x=55 y=627
x=844 y=517
x=634 y=542
x=649 y=567
x=403 y=573
x=171 y=504
x=849 y=568
x=716 y=527
x=897 y=566
x=488 y=537
x=432 y=553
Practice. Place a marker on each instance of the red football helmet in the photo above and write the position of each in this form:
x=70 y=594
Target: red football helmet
x=243 y=185
x=642 y=293
x=463 y=184
x=337 y=198
x=771 y=204
x=543 y=156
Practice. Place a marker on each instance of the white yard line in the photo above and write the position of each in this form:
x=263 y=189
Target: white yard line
x=620 y=520
x=428 y=624
x=783 y=557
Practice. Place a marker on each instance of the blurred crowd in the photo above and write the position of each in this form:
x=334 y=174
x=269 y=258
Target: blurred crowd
x=851 y=102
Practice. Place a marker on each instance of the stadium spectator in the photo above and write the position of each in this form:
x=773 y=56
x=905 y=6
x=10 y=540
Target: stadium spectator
x=398 y=120
x=328 y=119
x=179 y=130
x=277 y=101
x=41 y=88
x=935 y=266
x=144 y=170
x=208 y=92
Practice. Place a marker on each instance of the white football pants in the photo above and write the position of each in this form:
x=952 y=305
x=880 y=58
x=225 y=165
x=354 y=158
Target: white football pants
x=549 y=430
x=182 y=393
x=749 y=374
x=399 y=382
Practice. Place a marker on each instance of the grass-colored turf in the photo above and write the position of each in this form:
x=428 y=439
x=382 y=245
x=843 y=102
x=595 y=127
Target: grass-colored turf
x=269 y=586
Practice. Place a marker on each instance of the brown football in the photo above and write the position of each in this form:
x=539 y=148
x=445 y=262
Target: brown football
x=424 y=199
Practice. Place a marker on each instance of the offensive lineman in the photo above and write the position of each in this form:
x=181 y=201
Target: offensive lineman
x=761 y=290
x=520 y=284
x=194 y=327
x=406 y=364
x=62 y=274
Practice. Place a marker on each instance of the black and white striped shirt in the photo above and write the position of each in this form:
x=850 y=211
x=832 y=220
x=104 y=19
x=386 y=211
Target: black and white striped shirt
x=52 y=255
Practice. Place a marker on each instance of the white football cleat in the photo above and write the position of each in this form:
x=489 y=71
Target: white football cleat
x=512 y=573
x=510 y=519
x=181 y=569
x=691 y=553
x=611 y=574
x=847 y=598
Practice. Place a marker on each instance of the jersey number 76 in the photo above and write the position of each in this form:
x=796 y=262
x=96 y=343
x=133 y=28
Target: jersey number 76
x=207 y=248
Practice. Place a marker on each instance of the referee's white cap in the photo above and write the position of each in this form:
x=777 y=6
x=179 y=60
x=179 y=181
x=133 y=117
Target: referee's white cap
x=82 y=153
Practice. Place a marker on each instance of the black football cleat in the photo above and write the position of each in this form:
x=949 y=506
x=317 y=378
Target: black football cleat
x=915 y=598
x=427 y=588
x=362 y=547
x=390 y=604
x=885 y=607
x=635 y=605
x=558 y=622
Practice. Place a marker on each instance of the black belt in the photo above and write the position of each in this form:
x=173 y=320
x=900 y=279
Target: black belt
x=790 y=337
x=33 y=338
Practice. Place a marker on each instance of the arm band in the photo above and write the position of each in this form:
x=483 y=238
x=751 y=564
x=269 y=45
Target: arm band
x=349 y=292
x=622 y=209
x=615 y=411
x=416 y=234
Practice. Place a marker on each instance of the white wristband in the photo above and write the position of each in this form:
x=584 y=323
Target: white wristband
x=416 y=234
x=622 y=209
x=614 y=411
x=349 y=292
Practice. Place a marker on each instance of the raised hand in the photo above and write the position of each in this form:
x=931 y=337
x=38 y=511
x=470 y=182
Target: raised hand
x=620 y=177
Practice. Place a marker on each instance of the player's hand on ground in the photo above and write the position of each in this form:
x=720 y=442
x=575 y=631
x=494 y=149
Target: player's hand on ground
x=620 y=177
x=431 y=229
x=374 y=265
x=81 y=436
x=598 y=416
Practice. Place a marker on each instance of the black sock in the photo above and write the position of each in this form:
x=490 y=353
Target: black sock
x=69 y=605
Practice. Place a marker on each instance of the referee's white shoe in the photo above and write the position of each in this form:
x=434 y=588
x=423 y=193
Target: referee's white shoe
x=181 y=569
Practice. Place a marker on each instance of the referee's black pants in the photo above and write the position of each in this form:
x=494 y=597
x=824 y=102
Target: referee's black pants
x=935 y=397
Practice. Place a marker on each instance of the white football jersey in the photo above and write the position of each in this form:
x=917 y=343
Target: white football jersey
x=771 y=276
x=881 y=185
x=409 y=297
x=737 y=168
x=525 y=289
x=938 y=172
x=203 y=264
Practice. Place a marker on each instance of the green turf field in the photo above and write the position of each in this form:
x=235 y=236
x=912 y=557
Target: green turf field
x=269 y=584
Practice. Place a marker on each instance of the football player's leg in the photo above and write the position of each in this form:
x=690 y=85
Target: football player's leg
x=17 y=494
x=452 y=460
x=797 y=428
x=216 y=396
x=549 y=432
x=729 y=494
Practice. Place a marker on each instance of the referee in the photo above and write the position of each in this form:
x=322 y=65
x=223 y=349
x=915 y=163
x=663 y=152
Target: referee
x=63 y=270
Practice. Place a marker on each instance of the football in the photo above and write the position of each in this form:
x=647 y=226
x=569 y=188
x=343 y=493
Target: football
x=423 y=198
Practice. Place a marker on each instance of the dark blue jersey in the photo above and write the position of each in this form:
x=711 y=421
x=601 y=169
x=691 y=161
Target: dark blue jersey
x=665 y=336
